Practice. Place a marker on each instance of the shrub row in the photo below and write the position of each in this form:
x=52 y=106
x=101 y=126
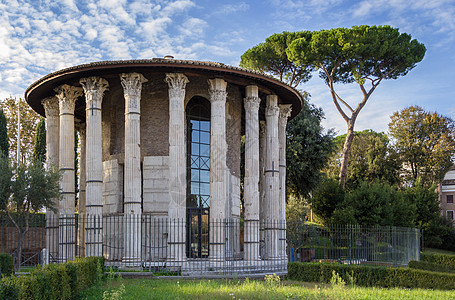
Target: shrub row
x=6 y=264
x=372 y=275
x=55 y=281
x=424 y=265
x=441 y=259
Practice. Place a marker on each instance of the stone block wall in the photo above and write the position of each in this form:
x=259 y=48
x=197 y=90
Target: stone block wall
x=112 y=187
x=156 y=185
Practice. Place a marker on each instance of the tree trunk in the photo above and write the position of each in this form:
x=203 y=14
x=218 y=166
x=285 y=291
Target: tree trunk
x=19 y=251
x=346 y=150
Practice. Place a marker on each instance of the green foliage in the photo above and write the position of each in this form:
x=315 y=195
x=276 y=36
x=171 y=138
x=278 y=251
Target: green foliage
x=370 y=159
x=6 y=264
x=39 y=148
x=371 y=204
x=8 y=288
x=428 y=266
x=296 y=210
x=440 y=259
x=425 y=142
x=4 y=146
x=6 y=173
x=372 y=275
x=427 y=213
x=55 y=281
x=326 y=198
x=307 y=151
x=364 y=55
x=29 y=119
x=270 y=57
x=26 y=189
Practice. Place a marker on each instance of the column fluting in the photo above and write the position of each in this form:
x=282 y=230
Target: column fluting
x=132 y=87
x=251 y=179
x=94 y=88
x=51 y=110
x=218 y=148
x=177 y=166
x=67 y=96
x=272 y=179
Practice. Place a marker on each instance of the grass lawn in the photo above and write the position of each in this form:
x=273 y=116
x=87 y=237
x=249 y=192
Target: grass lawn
x=249 y=289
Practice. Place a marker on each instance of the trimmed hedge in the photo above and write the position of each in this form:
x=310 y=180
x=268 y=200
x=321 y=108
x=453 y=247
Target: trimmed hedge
x=428 y=266
x=55 y=281
x=441 y=259
x=372 y=275
x=6 y=264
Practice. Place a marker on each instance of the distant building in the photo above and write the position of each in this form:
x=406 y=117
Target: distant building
x=447 y=194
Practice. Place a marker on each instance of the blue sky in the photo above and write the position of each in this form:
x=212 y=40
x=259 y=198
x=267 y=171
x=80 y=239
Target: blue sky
x=39 y=37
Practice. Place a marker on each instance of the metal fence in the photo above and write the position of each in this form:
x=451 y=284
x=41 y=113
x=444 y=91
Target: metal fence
x=199 y=246
x=353 y=244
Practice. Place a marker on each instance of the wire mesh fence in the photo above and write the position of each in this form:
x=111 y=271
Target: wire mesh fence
x=353 y=244
x=197 y=245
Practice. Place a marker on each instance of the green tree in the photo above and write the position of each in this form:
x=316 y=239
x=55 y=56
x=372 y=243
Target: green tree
x=427 y=213
x=270 y=57
x=307 y=151
x=326 y=198
x=425 y=143
x=371 y=158
x=29 y=119
x=39 y=149
x=364 y=55
x=308 y=146
x=4 y=146
x=24 y=190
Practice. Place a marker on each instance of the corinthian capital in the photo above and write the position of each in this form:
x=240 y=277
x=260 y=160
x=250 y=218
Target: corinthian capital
x=94 y=86
x=50 y=105
x=251 y=103
x=177 y=83
x=217 y=89
x=132 y=83
x=67 y=96
x=176 y=80
x=285 y=111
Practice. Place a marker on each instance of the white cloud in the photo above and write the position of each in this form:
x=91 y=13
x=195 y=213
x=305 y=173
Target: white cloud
x=193 y=27
x=177 y=7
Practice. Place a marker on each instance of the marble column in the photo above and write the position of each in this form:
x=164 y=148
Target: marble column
x=51 y=110
x=67 y=96
x=94 y=88
x=262 y=152
x=272 y=179
x=177 y=167
x=82 y=215
x=251 y=180
x=218 y=148
x=285 y=112
x=132 y=87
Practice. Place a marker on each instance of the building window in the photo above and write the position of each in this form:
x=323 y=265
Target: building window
x=449 y=215
x=449 y=199
x=198 y=177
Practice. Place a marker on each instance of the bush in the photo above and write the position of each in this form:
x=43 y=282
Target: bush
x=440 y=259
x=372 y=275
x=6 y=264
x=55 y=281
x=424 y=265
x=8 y=288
